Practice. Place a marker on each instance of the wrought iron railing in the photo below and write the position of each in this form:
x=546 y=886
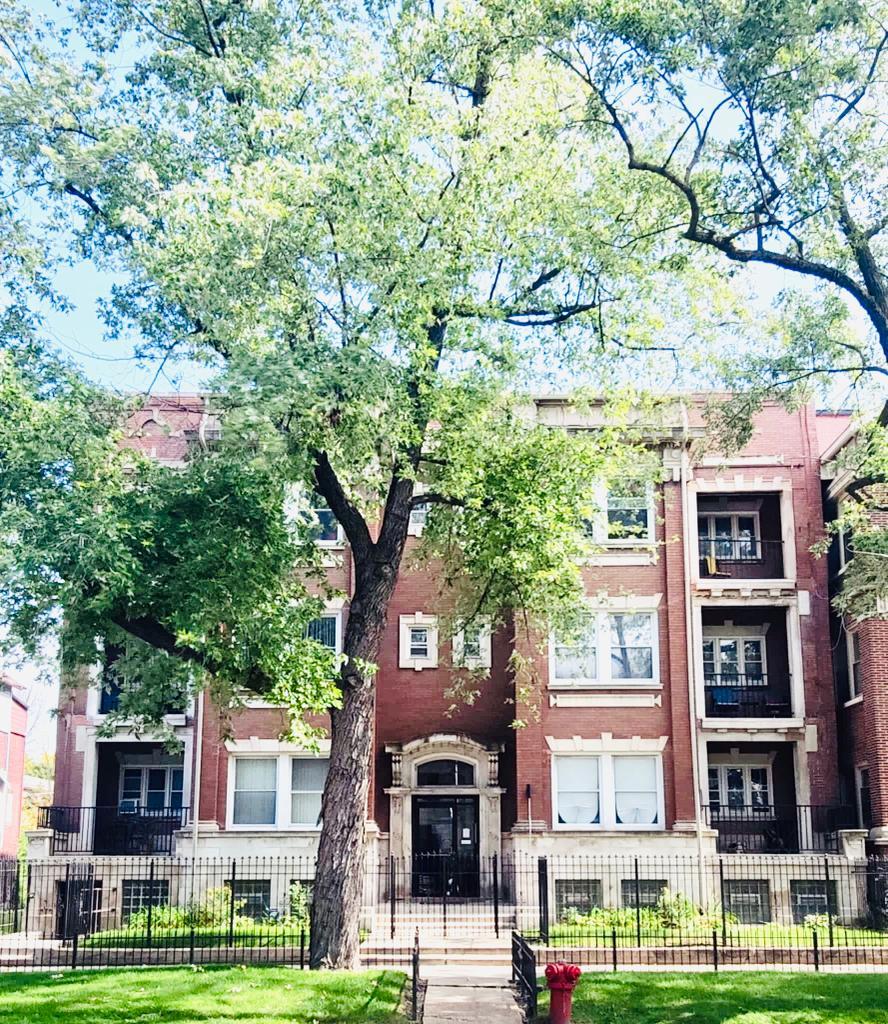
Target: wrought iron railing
x=110 y=830
x=741 y=558
x=778 y=828
x=745 y=695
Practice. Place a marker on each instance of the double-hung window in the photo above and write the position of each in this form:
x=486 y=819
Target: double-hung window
x=737 y=789
x=615 y=648
x=734 y=660
x=326 y=630
x=307 y=778
x=730 y=536
x=609 y=791
x=255 y=791
x=624 y=513
x=855 y=682
x=150 y=789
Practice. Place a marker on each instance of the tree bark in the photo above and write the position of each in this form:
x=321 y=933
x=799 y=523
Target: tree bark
x=339 y=880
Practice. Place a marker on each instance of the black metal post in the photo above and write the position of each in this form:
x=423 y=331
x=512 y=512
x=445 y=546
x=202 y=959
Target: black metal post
x=16 y=895
x=414 y=1011
x=231 y=904
x=614 y=947
x=150 y=902
x=392 y=897
x=543 y=893
x=191 y=943
x=721 y=889
x=27 y=895
x=66 y=915
x=637 y=906
x=829 y=901
x=715 y=950
x=496 y=895
x=816 y=950
x=302 y=949
x=444 y=894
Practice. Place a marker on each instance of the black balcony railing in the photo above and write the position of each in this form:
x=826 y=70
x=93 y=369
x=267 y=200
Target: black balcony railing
x=746 y=558
x=779 y=828
x=109 y=830
x=741 y=695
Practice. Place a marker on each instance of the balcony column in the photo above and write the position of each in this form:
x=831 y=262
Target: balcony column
x=38 y=842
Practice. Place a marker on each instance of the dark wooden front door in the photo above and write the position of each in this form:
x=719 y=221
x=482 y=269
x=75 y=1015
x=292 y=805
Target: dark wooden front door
x=445 y=846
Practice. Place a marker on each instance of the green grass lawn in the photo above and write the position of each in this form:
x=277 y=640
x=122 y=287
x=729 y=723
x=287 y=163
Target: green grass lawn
x=741 y=997
x=213 y=995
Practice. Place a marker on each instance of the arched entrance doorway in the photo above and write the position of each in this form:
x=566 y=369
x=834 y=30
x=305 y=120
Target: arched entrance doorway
x=445 y=813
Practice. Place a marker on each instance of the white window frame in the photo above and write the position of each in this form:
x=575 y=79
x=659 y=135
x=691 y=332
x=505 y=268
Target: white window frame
x=169 y=768
x=337 y=615
x=604 y=680
x=607 y=813
x=854 y=690
x=734 y=515
x=600 y=525
x=428 y=622
x=740 y=639
x=483 y=660
x=297 y=502
x=745 y=767
x=283 y=790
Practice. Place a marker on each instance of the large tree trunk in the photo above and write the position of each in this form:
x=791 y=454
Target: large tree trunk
x=336 y=903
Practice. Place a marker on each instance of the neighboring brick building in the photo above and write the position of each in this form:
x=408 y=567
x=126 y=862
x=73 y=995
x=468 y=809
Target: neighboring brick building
x=13 y=731
x=696 y=714
x=861 y=665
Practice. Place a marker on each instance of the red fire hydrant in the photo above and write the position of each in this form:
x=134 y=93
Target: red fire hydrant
x=562 y=979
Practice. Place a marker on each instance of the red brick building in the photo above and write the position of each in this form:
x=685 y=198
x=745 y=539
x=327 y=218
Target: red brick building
x=860 y=664
x=13 y=731
x=695 y=713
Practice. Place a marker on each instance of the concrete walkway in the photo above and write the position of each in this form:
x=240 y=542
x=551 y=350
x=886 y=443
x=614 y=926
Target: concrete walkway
x=467 y=999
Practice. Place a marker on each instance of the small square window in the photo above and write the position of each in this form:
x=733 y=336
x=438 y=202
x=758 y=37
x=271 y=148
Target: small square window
x=418 y=641
x=649 y=891
x=748 y=899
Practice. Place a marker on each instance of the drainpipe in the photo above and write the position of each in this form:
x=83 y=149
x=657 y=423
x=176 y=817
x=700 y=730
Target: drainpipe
x=688 y=539
x=195 y=783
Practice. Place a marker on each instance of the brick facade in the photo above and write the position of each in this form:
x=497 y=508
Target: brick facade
x=13 y=732
x=705 y=741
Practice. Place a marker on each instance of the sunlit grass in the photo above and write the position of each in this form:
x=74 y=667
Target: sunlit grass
x=212 y=995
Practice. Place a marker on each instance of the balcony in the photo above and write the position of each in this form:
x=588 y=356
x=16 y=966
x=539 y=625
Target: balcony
x=778 y=828
x=746 y=558
x=736 y=695
x=111 y=831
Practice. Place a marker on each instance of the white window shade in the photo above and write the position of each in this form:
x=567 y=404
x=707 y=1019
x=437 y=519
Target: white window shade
x=308 y=776
x=255 y=791
x=636 y=791
x=578 y=795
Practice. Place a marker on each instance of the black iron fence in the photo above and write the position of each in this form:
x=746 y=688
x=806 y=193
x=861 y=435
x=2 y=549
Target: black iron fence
x=602 y=910
x=673 y=913
x=10 y=894
x=112 y=831
x=779 y=828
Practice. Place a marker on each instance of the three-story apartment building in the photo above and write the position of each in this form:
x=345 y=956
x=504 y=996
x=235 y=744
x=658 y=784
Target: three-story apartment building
x=693 y=713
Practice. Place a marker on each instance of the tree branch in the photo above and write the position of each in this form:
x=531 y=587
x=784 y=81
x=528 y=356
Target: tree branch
x=347 y=515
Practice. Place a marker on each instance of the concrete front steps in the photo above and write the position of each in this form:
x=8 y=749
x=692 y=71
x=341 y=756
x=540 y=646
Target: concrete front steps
x=469 y=952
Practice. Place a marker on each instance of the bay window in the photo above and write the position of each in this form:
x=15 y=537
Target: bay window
x=608 y=791
x=606 y=649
